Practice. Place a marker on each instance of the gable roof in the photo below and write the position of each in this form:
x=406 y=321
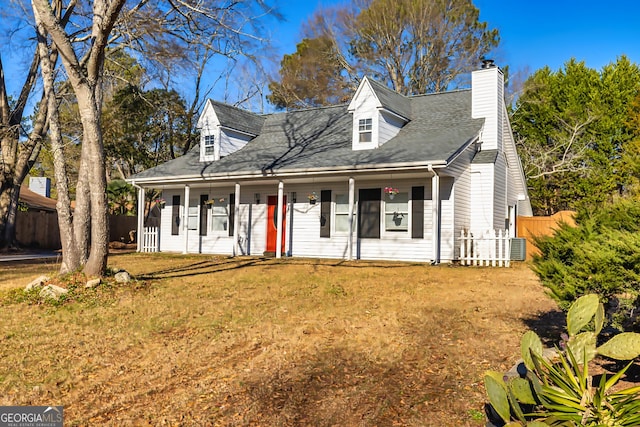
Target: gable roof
x=235 y=118
x=320 y=140
x=391 y=100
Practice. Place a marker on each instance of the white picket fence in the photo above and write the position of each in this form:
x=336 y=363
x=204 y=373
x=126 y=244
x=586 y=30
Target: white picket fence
x=487 y=248
x=150 y=240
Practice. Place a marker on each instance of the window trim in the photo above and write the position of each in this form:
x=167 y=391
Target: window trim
x=335 y=215
x=209 y=144
x=406 y=213
x=212 y=215
x=365 y=127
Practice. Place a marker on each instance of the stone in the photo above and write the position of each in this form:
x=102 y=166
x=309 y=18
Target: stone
x=37 y=283
x=92 y=283
x=52 y=292
x=122 y=277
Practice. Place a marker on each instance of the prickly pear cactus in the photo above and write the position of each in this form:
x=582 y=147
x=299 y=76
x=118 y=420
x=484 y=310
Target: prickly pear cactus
x=561 y=389
x=625 y=346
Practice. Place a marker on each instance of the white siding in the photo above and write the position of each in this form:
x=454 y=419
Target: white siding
x=169 y=243
x=447 y=220
x=459 y=169
x=487 y=101
x=365 y=108
x=209 y=125
x=302 y=231
x=231 y=141
x=482 y=197
x=389 y=126
x=500 y=193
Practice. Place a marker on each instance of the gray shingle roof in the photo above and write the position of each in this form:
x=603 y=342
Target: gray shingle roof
x=391 y=99
x=238 y=119
x=485 y=156
x=318 y=138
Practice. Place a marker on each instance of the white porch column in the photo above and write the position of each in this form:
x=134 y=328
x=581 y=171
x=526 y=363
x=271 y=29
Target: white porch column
x=141 y=202
x=352 y=202
x=278 y=216
x=236 y=221
x=185 y=219
x=435 y=215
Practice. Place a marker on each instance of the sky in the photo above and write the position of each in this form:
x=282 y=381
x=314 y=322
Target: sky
x=533 y=33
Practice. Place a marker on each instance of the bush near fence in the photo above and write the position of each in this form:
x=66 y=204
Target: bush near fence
x=530 y=227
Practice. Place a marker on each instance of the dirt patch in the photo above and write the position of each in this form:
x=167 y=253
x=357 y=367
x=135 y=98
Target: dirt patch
x=249 y=341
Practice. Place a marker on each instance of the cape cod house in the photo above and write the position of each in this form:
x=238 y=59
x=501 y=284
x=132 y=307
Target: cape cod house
x=386 y=177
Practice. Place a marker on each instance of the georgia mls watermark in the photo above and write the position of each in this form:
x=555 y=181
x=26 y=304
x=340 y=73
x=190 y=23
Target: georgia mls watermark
x=31 y=416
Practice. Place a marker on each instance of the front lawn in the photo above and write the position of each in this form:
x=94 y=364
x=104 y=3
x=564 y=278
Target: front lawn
x=202 y=340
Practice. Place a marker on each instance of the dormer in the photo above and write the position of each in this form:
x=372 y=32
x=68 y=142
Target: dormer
x=378 y=114
x=225 y=129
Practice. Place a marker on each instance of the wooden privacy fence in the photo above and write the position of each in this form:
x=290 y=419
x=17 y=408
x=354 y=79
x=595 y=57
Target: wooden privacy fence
x=489 y=248
x=530 y=227
x=39 y=229
x=150 y=240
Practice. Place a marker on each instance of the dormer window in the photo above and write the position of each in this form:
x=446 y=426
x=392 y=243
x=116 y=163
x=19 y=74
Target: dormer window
x=365 y=127
x=209 y=144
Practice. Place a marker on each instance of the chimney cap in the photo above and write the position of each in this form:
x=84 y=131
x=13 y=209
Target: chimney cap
x=488 y=63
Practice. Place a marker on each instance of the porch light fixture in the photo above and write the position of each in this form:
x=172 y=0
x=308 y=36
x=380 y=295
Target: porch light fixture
x=256 y=197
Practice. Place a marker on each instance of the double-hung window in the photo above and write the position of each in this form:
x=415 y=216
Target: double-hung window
x=342 y=213
x=396 y=213
x=209 y=143
x=364 y=128
x=220 y=215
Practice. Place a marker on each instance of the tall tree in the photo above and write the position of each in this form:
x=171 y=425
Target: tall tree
x=571 y=128
x=414 y=46
x=310 y=77
x=165 y=29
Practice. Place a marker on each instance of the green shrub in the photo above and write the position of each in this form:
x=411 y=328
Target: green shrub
x=600 y=255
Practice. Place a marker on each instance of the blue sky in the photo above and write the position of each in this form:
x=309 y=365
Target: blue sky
x=533 y=33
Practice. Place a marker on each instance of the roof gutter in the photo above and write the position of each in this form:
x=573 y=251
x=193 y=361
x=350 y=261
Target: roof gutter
x=407 y=166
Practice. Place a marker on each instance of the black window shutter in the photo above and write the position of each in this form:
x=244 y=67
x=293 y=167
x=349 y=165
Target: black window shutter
x=325 y=213
x=369 y=201
x=417 y=212
x=232 y=213
x=203 y=214
x=175 y=216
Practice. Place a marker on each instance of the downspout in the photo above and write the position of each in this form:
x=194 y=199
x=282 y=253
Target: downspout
x=141 y=203
x=435 y=214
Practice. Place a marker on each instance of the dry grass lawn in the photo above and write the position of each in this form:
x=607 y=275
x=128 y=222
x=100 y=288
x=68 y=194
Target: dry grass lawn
x=206 y=341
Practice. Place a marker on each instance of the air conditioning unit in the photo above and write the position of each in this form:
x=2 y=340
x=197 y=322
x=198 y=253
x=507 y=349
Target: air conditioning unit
x=518 y=249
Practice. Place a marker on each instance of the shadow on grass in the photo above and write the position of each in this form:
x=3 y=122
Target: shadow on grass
x=340 y=386
x=548 y=326
x=218 y=265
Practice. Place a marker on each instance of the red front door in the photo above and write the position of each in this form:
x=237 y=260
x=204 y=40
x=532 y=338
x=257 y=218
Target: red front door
x=272 y=231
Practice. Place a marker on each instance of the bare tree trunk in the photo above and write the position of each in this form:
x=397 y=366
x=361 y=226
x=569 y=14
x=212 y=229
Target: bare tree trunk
x=82 y=216
x=94 y=161
x=85 y=78
x=70 y=255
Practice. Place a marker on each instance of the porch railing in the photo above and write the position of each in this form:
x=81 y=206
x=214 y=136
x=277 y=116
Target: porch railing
x=485 y=248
